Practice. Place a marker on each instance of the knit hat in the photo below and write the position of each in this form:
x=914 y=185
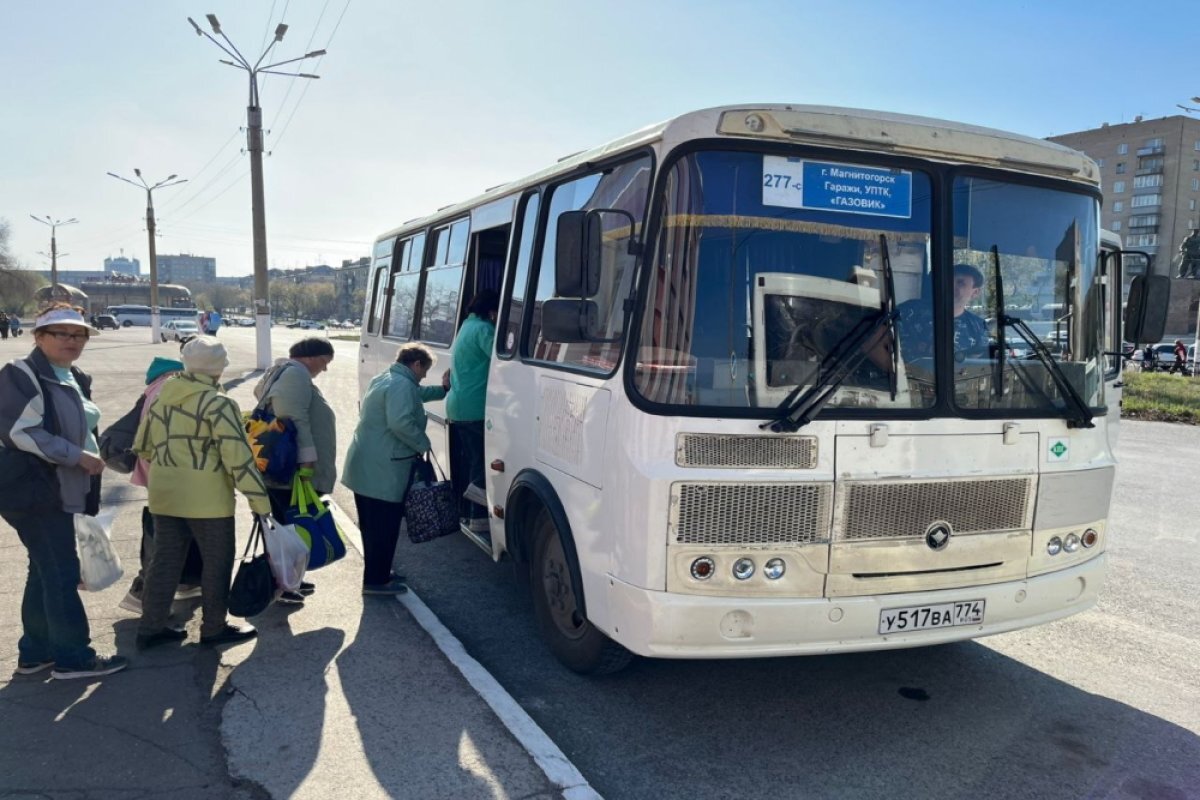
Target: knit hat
x=161 y=366
x=205 y=355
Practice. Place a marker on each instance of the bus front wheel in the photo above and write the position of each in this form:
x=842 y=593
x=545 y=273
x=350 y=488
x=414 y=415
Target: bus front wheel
x=574 y=641
x=127 y=324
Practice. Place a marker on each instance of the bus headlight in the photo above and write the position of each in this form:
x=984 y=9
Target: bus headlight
x=1054 y=546
x=703 y=568
x=774 y=569
x=1071 y=543
x=743 y=569
x=1090 y=537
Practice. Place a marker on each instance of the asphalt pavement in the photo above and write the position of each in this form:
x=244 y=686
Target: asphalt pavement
x=348 y=696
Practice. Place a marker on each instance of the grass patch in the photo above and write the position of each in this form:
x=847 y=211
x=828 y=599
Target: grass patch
x=1162 y=397
x=345 y=337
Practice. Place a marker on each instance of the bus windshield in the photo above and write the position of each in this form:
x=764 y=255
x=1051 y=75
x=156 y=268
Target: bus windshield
x=766 y=263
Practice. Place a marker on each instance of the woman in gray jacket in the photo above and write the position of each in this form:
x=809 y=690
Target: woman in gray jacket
x=47 y=414
x=288 y=390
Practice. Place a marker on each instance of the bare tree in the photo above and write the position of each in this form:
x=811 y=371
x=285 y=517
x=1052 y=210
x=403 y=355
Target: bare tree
x=17 y=285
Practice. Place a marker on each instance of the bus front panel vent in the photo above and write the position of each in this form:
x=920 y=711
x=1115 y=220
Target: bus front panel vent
x=906 y=509
x=750 y=513
x=743 y=452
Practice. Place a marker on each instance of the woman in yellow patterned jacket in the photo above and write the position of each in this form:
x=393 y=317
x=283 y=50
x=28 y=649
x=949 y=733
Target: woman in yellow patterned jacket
x=192 y=435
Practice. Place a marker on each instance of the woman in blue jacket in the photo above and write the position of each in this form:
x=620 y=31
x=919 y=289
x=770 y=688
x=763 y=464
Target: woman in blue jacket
x=389 y=438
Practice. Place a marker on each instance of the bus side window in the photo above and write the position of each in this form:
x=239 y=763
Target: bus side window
x=377 y=298
x=443 y=284
x=512 y=309
x=406 y=279
x=623 y=187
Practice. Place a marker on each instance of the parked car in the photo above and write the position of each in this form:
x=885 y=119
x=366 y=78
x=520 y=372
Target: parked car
x=245 y=322
x=307 y=324
x=179 y=329
x=107 y=321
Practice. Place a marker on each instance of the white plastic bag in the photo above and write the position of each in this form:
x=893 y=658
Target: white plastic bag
x=99 y=566
x=286 y=551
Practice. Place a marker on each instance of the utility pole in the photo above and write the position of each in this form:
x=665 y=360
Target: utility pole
x=54 y=224
x=155 y=328
x=254 y=145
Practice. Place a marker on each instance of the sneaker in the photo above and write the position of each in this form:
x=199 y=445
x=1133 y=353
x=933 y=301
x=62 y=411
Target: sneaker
x=101 y=665
x=132 y=601
x=476 y=494
x=290 y=599
x=166 y=635
x=187 y=591
x=32 y=667
x=391 y=587
x=231 y=634
x=307 y=588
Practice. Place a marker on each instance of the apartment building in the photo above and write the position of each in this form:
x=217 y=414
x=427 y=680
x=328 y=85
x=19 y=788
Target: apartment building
x=1150 y=173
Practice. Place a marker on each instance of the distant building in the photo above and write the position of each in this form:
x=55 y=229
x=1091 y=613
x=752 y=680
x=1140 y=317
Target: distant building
x=122 y=266
x=187 y=269
x=350 y=283
x=1150 y=177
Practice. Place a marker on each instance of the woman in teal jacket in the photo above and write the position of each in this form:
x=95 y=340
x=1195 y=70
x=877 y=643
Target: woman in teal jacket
x=389 y=438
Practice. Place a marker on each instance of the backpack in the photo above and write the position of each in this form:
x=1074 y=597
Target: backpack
x=116 y=442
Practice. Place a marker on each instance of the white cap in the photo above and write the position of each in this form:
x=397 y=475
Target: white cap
x=205 y=355
x=62 y=316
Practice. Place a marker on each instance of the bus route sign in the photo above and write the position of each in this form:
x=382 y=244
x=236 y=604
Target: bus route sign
x=829 y=186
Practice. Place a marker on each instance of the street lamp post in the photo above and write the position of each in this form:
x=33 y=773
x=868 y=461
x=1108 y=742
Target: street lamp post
x=254 y=144
x=155 y=330
x=54 y=224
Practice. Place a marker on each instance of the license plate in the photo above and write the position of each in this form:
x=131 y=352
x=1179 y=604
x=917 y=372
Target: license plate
x=940 y=615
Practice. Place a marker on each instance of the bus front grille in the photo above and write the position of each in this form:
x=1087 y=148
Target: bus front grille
x=906 y=509
x=750 y=513
x=739 y=452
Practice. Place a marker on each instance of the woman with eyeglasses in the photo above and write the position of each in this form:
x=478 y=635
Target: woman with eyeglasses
x=50 y=470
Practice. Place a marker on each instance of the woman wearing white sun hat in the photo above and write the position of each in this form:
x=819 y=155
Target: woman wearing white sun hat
x=51 y=471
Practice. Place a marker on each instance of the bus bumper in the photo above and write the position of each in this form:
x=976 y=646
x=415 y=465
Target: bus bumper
x=663 y=625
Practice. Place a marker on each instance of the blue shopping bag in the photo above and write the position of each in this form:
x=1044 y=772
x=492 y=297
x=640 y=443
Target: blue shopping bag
x=314 y=523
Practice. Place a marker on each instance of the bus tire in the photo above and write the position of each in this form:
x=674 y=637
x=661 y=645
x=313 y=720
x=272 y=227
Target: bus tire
x=578 y=644
x=127 y=324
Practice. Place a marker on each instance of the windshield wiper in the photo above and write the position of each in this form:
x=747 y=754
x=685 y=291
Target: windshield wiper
x=1079 y=415
x=890 y=308
x=801 y=405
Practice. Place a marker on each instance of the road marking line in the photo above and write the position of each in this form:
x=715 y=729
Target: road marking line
x=552 y=761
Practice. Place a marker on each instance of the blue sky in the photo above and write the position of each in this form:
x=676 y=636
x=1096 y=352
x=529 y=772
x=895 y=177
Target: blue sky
x=424 y=104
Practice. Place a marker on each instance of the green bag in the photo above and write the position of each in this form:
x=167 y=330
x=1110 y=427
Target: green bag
x=314 y=523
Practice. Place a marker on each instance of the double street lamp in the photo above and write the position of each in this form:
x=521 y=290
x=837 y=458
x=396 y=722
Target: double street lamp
x=254 y=144
x=170 y=180
x=54 y=225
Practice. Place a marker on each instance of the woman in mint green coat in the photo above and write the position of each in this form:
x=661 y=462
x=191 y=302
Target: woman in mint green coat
x=389 y=438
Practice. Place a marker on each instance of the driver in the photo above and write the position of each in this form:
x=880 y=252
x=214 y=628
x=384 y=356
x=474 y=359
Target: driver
x=915 y=320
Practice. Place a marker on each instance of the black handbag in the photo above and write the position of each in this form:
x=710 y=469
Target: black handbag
x=254 y=585
x=430 y=508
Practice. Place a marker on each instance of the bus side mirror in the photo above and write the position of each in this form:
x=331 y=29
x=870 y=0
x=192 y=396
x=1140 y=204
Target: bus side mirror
x=569 y=321
x=577 y=255
x=1146 y=311
x=578 y=251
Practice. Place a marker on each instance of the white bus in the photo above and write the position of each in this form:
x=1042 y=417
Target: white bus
x=736 y=407
x=130 y=315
